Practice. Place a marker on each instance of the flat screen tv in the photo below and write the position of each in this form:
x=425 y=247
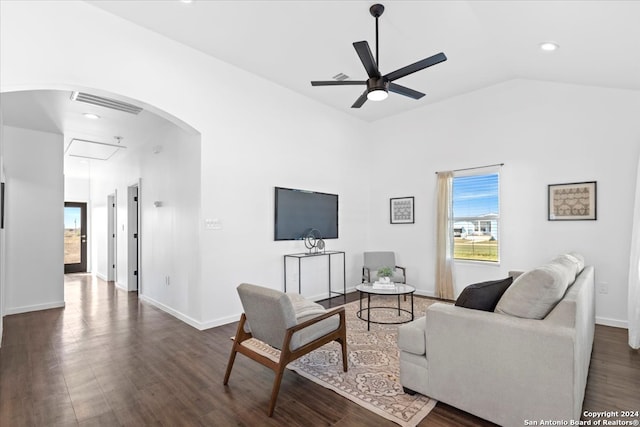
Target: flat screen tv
x=299 y=211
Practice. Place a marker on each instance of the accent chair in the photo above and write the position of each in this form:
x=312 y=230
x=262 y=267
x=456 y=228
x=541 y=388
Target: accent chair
x=287 y=322
x=373 y=261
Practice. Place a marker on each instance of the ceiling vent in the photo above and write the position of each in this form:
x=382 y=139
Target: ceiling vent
x=91 y=149
x=105 y=102
x=340 y=77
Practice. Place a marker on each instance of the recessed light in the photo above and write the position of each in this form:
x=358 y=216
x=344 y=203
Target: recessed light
x=186 y=1
x=549 y=46
x=91 y=116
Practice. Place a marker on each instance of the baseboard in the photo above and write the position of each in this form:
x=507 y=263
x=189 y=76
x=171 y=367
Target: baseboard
x=101 y=276
x=175 y=313
x=612 y=322
x=234 y=318
x=37 y=307
x=324 y=296
x=429 y=294
x=219 y=322
x=121 y=286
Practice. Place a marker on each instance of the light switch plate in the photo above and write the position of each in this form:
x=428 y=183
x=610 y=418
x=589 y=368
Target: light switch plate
x=213 y=224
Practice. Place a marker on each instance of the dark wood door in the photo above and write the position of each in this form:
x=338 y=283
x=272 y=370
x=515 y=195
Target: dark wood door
x=75 y=237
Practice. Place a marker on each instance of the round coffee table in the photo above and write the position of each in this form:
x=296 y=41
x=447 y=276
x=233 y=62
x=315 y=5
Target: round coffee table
x=398 y=290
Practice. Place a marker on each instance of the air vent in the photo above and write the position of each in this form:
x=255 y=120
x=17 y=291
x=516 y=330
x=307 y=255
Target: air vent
x=105 y=102
x=340 y=77
x=92 y=149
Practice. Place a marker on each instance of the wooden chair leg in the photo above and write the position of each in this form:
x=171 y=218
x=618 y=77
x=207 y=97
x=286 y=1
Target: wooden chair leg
x=343 y=343
x=232 y=358
x=276 y=388
x=241 y=335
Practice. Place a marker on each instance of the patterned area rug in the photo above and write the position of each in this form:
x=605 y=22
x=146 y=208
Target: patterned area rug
x=372 y=380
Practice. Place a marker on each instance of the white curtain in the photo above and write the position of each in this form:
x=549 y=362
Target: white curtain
x=444 y=237
x=634 y=273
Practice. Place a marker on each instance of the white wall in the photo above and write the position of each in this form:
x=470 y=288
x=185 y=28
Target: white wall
x=77 y=189
x=2 y=244
x=251 y=140
x=113 y=176
x=169 y=171
x=34 y=224
x=265 y=136
x=545 y=133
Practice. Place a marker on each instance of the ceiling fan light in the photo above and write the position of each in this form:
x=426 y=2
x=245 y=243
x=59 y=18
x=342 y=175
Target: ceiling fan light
x=377 y=95
x=549 y=46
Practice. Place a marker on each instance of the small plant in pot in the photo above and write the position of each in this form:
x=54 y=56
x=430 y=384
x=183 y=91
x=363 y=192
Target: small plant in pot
x=384 y=274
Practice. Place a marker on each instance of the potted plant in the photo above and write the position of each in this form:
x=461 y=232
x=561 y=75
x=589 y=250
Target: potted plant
x=384 y=274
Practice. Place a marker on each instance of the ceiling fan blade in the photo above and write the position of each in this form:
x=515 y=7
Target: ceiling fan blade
x=360 y=101
x=362 y=48
x=396 y=88
x=338 y=83
x=420 y=65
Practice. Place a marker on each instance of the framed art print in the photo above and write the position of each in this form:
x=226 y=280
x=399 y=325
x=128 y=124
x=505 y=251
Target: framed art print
x=572 y=202
x=402 y=210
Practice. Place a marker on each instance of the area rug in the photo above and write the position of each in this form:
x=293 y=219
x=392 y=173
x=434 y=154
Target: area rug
x=373 y=378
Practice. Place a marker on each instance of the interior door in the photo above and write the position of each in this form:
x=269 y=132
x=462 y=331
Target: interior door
x=75 y=237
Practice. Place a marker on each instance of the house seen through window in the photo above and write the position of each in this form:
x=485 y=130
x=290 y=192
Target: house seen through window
x=476 y=216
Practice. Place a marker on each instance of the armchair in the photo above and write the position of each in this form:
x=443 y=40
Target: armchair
x=287 y=322
x=373 y=261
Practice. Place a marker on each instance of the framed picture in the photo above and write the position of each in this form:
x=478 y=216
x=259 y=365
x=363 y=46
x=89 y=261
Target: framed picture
x=572 y=202
x=402 y=210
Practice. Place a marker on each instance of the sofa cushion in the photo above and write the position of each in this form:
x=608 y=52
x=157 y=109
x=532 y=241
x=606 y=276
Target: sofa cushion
x=578 y=259
x=566 y=265
x=483 y=296
x=534 y=294
x=412 y=336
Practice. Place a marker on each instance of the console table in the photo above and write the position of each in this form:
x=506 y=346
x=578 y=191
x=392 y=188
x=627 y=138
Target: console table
x=328 y=254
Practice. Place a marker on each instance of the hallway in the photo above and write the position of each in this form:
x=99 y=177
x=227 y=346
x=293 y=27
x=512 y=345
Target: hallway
x=105 y=359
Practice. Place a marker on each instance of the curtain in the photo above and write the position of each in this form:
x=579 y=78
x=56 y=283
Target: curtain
x=444 y=236
x=634 y=273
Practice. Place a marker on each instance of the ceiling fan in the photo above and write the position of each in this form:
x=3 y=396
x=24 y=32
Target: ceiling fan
x=379 y=86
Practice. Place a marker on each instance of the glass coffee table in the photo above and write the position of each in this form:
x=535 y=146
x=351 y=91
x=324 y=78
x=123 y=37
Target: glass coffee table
x=398 y=290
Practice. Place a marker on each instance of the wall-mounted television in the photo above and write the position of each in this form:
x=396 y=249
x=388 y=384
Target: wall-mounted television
x=299 y=211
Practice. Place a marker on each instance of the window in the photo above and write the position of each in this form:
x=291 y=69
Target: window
x=476 y=217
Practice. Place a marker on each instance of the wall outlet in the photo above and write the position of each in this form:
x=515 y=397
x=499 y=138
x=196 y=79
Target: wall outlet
x=603 y=288
x=166 y=280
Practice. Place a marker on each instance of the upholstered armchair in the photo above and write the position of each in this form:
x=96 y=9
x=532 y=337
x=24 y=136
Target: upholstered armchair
x=373 y=261
x=287 y=322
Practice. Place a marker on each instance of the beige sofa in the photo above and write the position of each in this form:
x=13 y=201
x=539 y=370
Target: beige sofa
x=500 y=367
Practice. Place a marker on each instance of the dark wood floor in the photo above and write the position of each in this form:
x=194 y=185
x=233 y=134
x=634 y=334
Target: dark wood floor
x=107 y=359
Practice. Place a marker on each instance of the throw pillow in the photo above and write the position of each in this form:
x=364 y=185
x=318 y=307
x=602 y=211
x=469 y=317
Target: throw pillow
x=534 y=294
x=578 y=259
x=483 y=296
x=566 y=266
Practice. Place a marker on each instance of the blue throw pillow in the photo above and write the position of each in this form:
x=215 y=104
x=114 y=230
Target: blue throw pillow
x=483 y=296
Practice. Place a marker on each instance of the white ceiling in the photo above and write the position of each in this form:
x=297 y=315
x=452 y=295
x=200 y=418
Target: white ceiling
x=486 y=42
x=54 y=111
x=294 y=42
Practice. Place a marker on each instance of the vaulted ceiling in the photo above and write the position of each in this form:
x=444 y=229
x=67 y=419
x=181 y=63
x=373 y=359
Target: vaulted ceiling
x=293 y=42
x=486 y=42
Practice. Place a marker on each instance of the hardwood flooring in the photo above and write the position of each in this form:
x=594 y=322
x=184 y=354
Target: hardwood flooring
x=108 y=360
